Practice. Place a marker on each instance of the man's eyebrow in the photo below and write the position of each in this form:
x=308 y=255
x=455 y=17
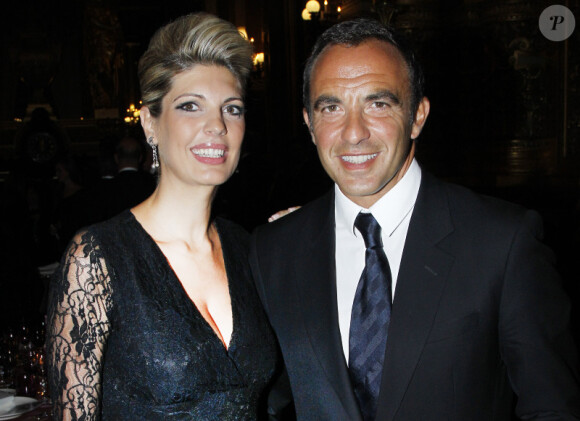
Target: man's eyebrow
x=386 y=94
x=324 y=100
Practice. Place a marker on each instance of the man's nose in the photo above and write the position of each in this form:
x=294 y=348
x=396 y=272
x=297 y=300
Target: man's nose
x=355 y=128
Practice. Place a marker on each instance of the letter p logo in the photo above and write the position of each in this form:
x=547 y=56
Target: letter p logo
x=557 y=20
x=557 y=23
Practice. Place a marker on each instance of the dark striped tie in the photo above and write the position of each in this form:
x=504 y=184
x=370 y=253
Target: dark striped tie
x=371 y=314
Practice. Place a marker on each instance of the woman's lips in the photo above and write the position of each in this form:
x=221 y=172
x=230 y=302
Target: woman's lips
x=211 y=153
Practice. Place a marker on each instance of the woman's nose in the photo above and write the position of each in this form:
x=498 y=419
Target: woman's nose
x=216 y=126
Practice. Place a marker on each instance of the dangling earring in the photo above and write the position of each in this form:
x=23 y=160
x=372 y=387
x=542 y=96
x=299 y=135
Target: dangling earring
x=155 y=163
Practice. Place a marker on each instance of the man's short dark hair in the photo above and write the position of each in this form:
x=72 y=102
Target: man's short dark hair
x=129 y=150
x=354 y=32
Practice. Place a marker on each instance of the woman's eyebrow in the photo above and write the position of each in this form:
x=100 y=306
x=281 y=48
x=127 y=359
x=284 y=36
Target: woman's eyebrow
x=188 y=95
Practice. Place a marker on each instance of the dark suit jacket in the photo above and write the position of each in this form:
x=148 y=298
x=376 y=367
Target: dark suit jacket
x=479 y=322
x=126 y=190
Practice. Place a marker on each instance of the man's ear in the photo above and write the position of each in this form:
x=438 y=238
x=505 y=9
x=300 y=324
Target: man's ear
x=147 y=122
x=420 y=117
x=308 y=124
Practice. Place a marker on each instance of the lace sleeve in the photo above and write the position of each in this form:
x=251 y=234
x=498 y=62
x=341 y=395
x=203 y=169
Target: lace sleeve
x=77 y=330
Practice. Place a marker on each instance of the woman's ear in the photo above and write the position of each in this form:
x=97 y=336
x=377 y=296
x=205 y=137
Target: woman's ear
x=147 y=122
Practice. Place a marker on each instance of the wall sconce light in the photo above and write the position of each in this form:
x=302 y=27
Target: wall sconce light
x=243 y=32
x=329 y=13
x=312 y=9
x=313 y=6
x=132 y=116
x=258 y=59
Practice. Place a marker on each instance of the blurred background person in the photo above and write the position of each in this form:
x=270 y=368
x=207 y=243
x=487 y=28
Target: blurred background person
x=131 y=184
x=72 y=204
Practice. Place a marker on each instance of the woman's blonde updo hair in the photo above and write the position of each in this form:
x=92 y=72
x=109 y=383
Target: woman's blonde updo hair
x=199 y=38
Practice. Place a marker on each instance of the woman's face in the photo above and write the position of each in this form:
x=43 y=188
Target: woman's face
x=200 y=129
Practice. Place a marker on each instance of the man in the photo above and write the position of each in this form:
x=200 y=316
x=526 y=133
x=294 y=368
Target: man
x=472 y=322
x=131 y=185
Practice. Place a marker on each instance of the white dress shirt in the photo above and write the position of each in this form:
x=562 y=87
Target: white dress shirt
x=393 y=213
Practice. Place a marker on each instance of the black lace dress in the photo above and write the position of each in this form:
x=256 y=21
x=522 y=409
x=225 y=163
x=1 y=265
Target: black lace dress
x=125 y=342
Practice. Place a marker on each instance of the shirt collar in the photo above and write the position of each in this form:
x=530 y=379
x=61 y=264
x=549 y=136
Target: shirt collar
x=390 y=210
x=129 y=169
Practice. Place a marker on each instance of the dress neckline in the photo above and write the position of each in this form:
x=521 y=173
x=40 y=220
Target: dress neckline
x=163 y=261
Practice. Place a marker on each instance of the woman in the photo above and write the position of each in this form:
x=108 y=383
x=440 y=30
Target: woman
x=154 y=315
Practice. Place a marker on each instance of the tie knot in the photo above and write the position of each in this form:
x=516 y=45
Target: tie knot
x=370 y=229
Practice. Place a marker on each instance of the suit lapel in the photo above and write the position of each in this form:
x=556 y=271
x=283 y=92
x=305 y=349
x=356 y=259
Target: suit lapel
x=420 y=283
x=316 y=283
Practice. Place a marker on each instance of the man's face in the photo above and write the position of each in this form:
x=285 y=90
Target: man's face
x=361 y=104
